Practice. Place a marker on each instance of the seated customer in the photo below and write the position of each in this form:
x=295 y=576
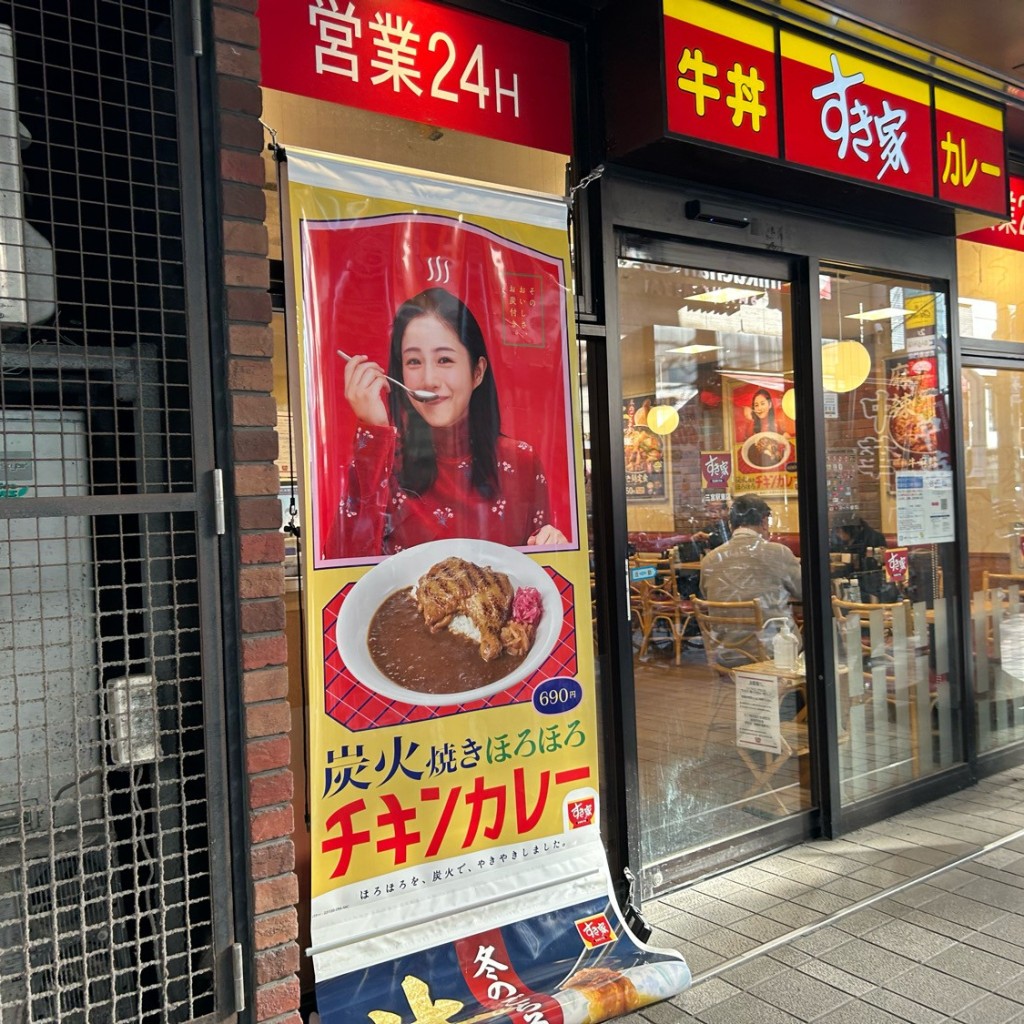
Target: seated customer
x=718 y=531
x=853 y=535
x=749 y=566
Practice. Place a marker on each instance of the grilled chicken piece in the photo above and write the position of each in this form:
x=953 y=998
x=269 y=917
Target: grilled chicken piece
x=455 y=586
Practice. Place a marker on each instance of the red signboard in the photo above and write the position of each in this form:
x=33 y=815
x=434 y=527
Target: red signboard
x=720 y=83
x=971 y=152
x=837 y=111
x=422 y=62
x=851 y=116
x=1011 y=234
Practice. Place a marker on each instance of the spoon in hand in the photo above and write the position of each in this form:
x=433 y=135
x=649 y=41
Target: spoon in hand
x=420 y=396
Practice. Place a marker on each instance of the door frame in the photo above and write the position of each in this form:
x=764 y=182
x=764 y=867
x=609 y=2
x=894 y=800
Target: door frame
x=742 y=231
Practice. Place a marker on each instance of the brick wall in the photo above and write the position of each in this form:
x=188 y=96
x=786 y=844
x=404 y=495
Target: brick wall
x=253 y=412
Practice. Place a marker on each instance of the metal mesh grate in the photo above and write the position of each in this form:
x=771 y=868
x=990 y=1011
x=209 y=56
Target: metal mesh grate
x=106 y=892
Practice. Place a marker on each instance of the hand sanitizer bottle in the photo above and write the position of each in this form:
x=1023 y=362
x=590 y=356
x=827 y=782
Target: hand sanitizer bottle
x=785 y=646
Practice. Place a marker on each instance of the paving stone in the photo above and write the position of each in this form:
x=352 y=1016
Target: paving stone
x=867 y=961
x=837 y=978
x=821 y=941
x=952 y=929
x=748 y=1009
x=859 y=1013
x=957 y=907
x=908 y=940
x=686 y=926
x=751 y=899
x=761 y=928
x=824 y=903
x=976 y=966
x=863 y=920
x=793 y=915
x=904 y=1009
x=990 y=1009
x=801 y=995
x=700 y=997
x=879 y=877
x=936 y=990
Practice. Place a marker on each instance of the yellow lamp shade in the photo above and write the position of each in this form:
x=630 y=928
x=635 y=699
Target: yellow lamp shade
x=789 y=403
x=845 y=365
x=662 y=419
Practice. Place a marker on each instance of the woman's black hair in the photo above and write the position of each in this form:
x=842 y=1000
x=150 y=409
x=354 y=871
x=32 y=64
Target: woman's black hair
x=760 y=427
x=418 y=464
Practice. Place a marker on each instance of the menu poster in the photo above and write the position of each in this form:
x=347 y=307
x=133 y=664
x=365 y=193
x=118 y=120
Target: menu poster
x=763 y=439
x=646 y=452
x=453 y=741
x=917 y=420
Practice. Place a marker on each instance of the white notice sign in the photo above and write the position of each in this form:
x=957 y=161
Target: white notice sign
x=924 y=507
x=757 y=712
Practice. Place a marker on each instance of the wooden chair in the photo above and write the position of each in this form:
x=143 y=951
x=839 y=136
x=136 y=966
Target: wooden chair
x=732 y=632
x=1002 y=581
x=663 y=604
x=895 y=618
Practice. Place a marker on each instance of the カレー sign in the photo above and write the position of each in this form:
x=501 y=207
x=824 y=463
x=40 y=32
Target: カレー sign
x=423 y=62
x=835 y=110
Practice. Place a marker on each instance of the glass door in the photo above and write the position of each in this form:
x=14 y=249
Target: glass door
x=993 y=403
x=710 y=449
x=889 y=482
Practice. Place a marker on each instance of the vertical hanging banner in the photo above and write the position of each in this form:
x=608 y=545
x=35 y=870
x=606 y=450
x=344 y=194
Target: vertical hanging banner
x=458 y=872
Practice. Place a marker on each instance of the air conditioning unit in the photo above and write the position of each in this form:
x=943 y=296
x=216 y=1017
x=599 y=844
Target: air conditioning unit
x=65 y=952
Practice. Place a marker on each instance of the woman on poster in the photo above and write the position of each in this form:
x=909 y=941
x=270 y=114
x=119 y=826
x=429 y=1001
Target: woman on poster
x=428 y=470
x=762 y=412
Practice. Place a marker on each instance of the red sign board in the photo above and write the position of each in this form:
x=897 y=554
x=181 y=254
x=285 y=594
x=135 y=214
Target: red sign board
x=847 y=115
x=1011 y=234
x=720 y=83
x=971 y=152
x=837 y=111
x=423 y=62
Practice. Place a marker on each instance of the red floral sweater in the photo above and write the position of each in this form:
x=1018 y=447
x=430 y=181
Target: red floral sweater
x=375 y=516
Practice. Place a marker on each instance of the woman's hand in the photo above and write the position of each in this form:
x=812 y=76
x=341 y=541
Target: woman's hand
x=365 y=390
x=548 y=535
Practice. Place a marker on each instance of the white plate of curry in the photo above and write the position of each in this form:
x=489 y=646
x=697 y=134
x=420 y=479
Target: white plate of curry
x=385 y=641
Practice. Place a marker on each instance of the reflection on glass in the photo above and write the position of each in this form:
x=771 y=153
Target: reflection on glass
x=890 y=499
x=707 y=415
x=993 y=422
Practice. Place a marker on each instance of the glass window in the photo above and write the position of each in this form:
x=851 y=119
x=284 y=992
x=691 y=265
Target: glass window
x=885 y=375
x=990 y=285
x=994 y=470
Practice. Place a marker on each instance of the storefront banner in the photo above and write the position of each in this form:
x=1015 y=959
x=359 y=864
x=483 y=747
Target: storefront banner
x=422 y=61
x=736 y=80
x=971 y=152
x=848 y=115
x=720 y=76
x=1009 y=235
x=453 y=728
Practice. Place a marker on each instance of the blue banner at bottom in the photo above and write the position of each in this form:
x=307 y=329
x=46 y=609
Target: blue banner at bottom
x=574 y=965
